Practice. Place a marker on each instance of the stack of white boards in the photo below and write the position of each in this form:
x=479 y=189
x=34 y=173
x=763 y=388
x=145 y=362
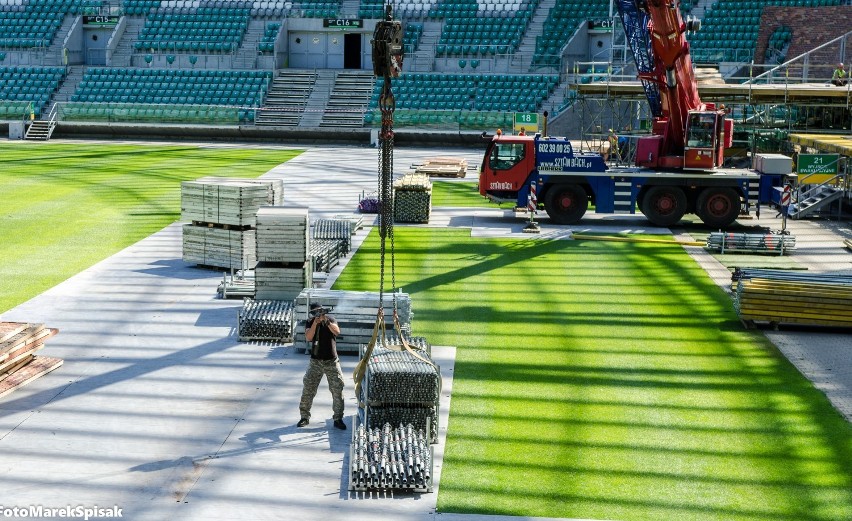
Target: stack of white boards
x=355 y=312
x=283 y=253
x=19 y=365
x=223 y=212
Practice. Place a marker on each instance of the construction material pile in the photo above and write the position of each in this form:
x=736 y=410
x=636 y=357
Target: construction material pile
x=355 y=312
x=325 y=254
x=336 y=229
x=402 y=387
x=390 y=458
x=265 y=320
x=237 y=285
x=283 y=246
x=724 y=242
x=412 y=199
x=443 y=167
x=19 y=365
x=791 y=297
x=222 y=213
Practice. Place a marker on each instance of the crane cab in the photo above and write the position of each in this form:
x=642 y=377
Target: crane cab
x=708 y=133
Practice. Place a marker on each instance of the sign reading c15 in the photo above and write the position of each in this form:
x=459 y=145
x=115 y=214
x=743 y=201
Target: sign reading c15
x=343 y=23
x=526 y=122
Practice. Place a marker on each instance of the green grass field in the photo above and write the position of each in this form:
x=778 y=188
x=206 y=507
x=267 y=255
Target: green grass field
x=67 y=206
x=611 y=380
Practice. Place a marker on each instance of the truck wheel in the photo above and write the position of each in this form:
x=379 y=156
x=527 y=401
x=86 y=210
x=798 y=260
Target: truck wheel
x=566 y=204
x=664 y=205
x=718 y=207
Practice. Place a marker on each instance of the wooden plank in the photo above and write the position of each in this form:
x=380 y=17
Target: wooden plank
x=19 y=354
x=14 y=367
x=10 y=329
x=40 y=366
x=34 y=334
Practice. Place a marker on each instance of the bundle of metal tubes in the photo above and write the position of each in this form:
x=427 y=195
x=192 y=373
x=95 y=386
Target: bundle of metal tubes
x=339 y=229
x=400 y=378
x=391 y=458
x=265 y=320
x=418 y=416
x=751 y=242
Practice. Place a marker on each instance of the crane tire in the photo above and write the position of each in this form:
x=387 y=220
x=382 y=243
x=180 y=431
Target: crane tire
x=566 y=204
x=718 y=207
x=664 y=205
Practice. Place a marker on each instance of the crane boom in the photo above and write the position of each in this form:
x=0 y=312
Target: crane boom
x=686 y=133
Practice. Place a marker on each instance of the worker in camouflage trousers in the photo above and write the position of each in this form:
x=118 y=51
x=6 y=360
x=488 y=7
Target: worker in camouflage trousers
x=321 y=331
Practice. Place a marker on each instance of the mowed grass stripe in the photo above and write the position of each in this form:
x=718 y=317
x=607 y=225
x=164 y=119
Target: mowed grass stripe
x=610 y=380
x=65 y=207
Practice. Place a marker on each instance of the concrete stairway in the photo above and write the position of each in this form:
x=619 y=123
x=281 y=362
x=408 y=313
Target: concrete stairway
x=424 y=57
x=123 y=54
x=316 y=103
x=287 y=98
x=522 y=58
x=246 y=56
x=68 y=87
x=53 y=55
x=348 y=100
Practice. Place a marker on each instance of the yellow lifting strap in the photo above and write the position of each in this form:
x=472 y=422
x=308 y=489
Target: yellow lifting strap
x=379 y=332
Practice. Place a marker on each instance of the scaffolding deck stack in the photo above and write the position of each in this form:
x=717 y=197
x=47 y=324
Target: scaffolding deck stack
x=412 y=200
x=725 y=242
x=283 y=253
x=355 y=312
x=19 y=365
x=222 y=214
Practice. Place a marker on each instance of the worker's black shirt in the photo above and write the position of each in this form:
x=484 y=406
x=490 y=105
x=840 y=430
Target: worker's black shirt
x=324 y=344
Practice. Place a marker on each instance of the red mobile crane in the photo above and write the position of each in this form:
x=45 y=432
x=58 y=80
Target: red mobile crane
x=679 y=164
x=686 y=133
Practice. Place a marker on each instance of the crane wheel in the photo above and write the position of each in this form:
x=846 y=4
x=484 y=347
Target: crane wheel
x=718 y=207
x=664 y=205
x=566 y=204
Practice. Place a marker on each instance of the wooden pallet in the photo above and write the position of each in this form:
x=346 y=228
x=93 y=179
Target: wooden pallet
x=443 y=167
x=37 y=367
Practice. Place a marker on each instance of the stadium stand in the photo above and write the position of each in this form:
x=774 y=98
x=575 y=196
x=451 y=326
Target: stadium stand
x=411 y=37
x=433 y=98
x=209 y=87
x=21 y=86
x=267 y=43
x=564 y=19
x=205 y=29
x=473 y=28
x=730 y=28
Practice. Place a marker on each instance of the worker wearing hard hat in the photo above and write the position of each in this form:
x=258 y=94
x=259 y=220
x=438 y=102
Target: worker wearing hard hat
x=839 y=77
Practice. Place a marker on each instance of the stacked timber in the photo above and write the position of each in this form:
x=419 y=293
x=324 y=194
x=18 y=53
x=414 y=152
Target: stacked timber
x=779 y=297
x=19 y=364
x=283 y=253
x=443 y=167
x=265 y=320
x=355 y=312
x=412 y=199
x=750 y=242
x=222 y=214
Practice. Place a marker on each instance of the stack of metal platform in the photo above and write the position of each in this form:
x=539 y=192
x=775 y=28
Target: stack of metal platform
x=412 y=199
x=724 y=242
x=222 y=214
x=19 y=365
x=265 y=320
x=793 y=297
x=283 y=246
x=355 y=312
x=335 y=229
